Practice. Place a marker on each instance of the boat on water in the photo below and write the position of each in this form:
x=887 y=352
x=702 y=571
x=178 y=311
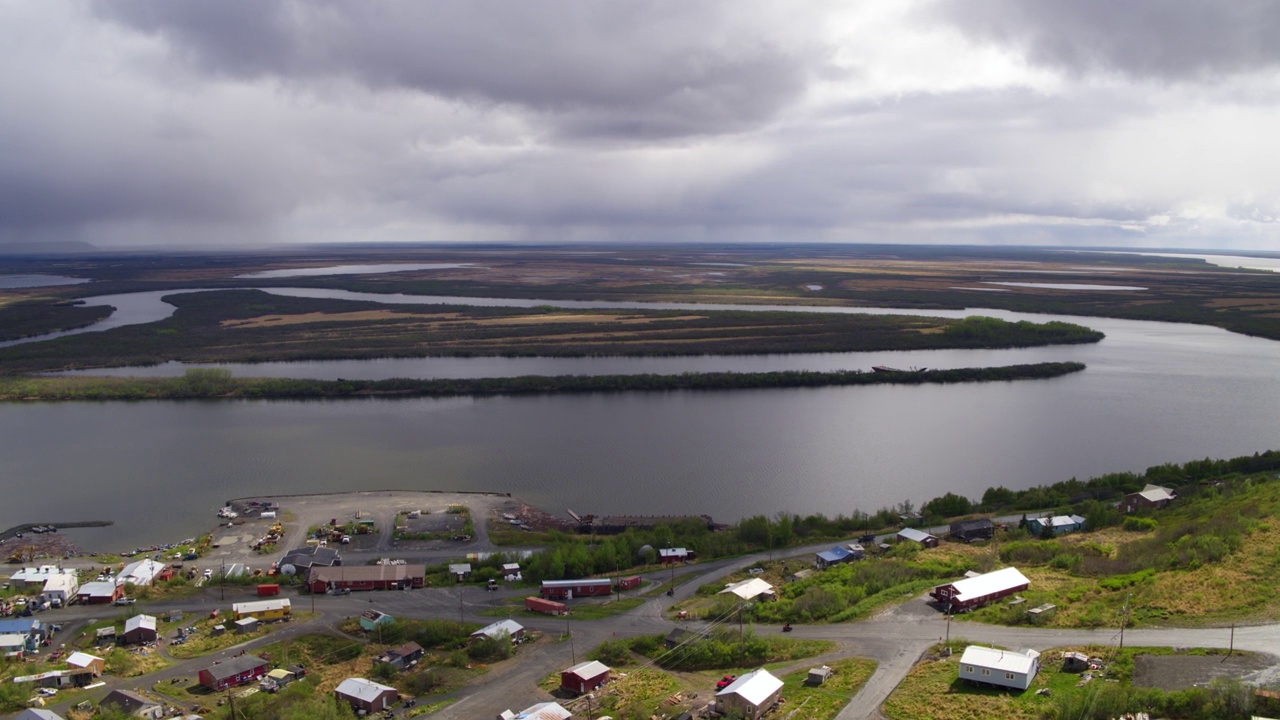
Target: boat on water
x=886 y=368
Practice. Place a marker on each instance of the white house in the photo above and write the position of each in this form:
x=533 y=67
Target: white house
x=61 y=587
x=750 y=695
x=512 y=629
x=1006 y=668
x=750 y=589
x=142 y=572
x=541 y=711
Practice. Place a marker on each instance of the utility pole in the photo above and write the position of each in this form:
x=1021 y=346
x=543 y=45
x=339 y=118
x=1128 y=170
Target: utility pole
x=573 y=652
x=1232 y=647
x=948 y=625
x=231 y=700
x=222 y=584
x=1124 y=619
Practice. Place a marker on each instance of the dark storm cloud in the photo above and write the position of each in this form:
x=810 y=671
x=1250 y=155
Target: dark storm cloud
x=1166 y=39
x=631 y=69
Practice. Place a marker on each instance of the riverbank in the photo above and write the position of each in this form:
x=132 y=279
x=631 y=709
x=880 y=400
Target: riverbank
x=219 y=384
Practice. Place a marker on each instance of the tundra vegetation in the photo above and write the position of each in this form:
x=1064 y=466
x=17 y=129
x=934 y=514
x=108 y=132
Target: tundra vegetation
x=933 y=690
x=251 y=326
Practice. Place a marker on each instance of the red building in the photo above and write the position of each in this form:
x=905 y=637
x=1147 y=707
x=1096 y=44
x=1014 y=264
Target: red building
x=584 y=677
x=965 y=595
x=367 y=577
x=236 y=671
x=629 y=583
x=569 y=589
x=546 y=607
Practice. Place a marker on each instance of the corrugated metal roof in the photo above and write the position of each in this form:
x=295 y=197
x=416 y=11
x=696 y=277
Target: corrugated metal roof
x=510 y=627
x=588 y=670
x=146 y=622
x=992 y=582
x=235 y=666
x=755 y=687
x=260 y=606
x=362 y=690
x=1002 y=660
x=749 y=589
x=914 y=534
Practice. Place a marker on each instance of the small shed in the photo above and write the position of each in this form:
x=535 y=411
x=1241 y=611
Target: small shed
x=105 y=636
x=401 y=657
x=1041 y=613
x=584 y=677
x=217 y=630
x=246 y=625
x=1075 y=662
x=140 y=629
x=856 y=551
x=370 y=619
x=819 y=675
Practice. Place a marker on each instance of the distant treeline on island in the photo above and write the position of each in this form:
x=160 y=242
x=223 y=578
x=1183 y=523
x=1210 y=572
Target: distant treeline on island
x=213 y=383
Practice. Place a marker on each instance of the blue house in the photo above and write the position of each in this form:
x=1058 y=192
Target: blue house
x=834 y=556
x=32 y=630
x=1060 y=524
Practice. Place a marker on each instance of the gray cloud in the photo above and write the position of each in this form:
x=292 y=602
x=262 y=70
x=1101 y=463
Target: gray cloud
x=631 y=69
x=1167 y=39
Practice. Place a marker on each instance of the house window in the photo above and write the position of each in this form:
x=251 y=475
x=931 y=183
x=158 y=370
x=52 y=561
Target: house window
x=968 y=668
x=1008 y=676
x=986 y=671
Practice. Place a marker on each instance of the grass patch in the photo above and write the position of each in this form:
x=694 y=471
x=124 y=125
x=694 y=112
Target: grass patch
x=824 y=702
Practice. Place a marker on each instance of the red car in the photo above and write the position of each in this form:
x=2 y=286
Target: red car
x=725 y=682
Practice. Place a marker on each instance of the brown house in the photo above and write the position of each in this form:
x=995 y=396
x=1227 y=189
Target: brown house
x=367 y=577
x=1151 y=497
x=236 y=671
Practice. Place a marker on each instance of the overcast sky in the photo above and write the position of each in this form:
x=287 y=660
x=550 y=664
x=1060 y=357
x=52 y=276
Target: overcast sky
x=244 y=122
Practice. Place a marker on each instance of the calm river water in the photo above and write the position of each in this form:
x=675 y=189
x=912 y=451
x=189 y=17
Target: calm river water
x=1153 y=393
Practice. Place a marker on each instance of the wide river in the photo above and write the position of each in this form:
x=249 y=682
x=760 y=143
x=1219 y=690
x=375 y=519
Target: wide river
x=1153 y=393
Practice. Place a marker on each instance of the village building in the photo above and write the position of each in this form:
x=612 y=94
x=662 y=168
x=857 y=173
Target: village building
x=246 y=625
x=140 y=629
x=31 y=629
x=819 y=675
x=276 y=679
x=402 y=657
x=856 y=551
x=629 y=583
x=584 y=677
x=59 y=679
x=917 y=536
x=970 y=530
x=674 y=555
x=834 y=556
x=104 y=636
x=32 y=579
x=13 y=645
x=511 y=572
x=1005 y=668
x=546 y=607
x=1060 y=523
x=98 y=593
x=37 y=714
x=495 y=631
x=367 y=577
x=541 y=711
x=262 y=610
x=233 y=672
x=750 y=590
x=131 y=703
x=750 y=696
x=85 y=661
x=569 y=589
x=1151 y=497
x=371 y=619
x=366 y=695
x=970 y=593
x=143 y=572
x=303 y=559
x=61 y=589
x=461 y=572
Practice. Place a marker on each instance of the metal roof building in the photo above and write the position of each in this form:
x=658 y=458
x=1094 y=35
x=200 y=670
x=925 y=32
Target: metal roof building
x=1006 y=668
x=970 y=593
x=750 y=695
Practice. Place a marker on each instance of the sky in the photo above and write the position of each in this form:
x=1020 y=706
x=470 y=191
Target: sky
x=247 y=123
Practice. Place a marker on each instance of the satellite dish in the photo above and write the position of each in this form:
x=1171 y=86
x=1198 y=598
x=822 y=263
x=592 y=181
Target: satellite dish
x=288 y=569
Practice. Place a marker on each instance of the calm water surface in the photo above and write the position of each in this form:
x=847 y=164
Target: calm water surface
x=1153 y=393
